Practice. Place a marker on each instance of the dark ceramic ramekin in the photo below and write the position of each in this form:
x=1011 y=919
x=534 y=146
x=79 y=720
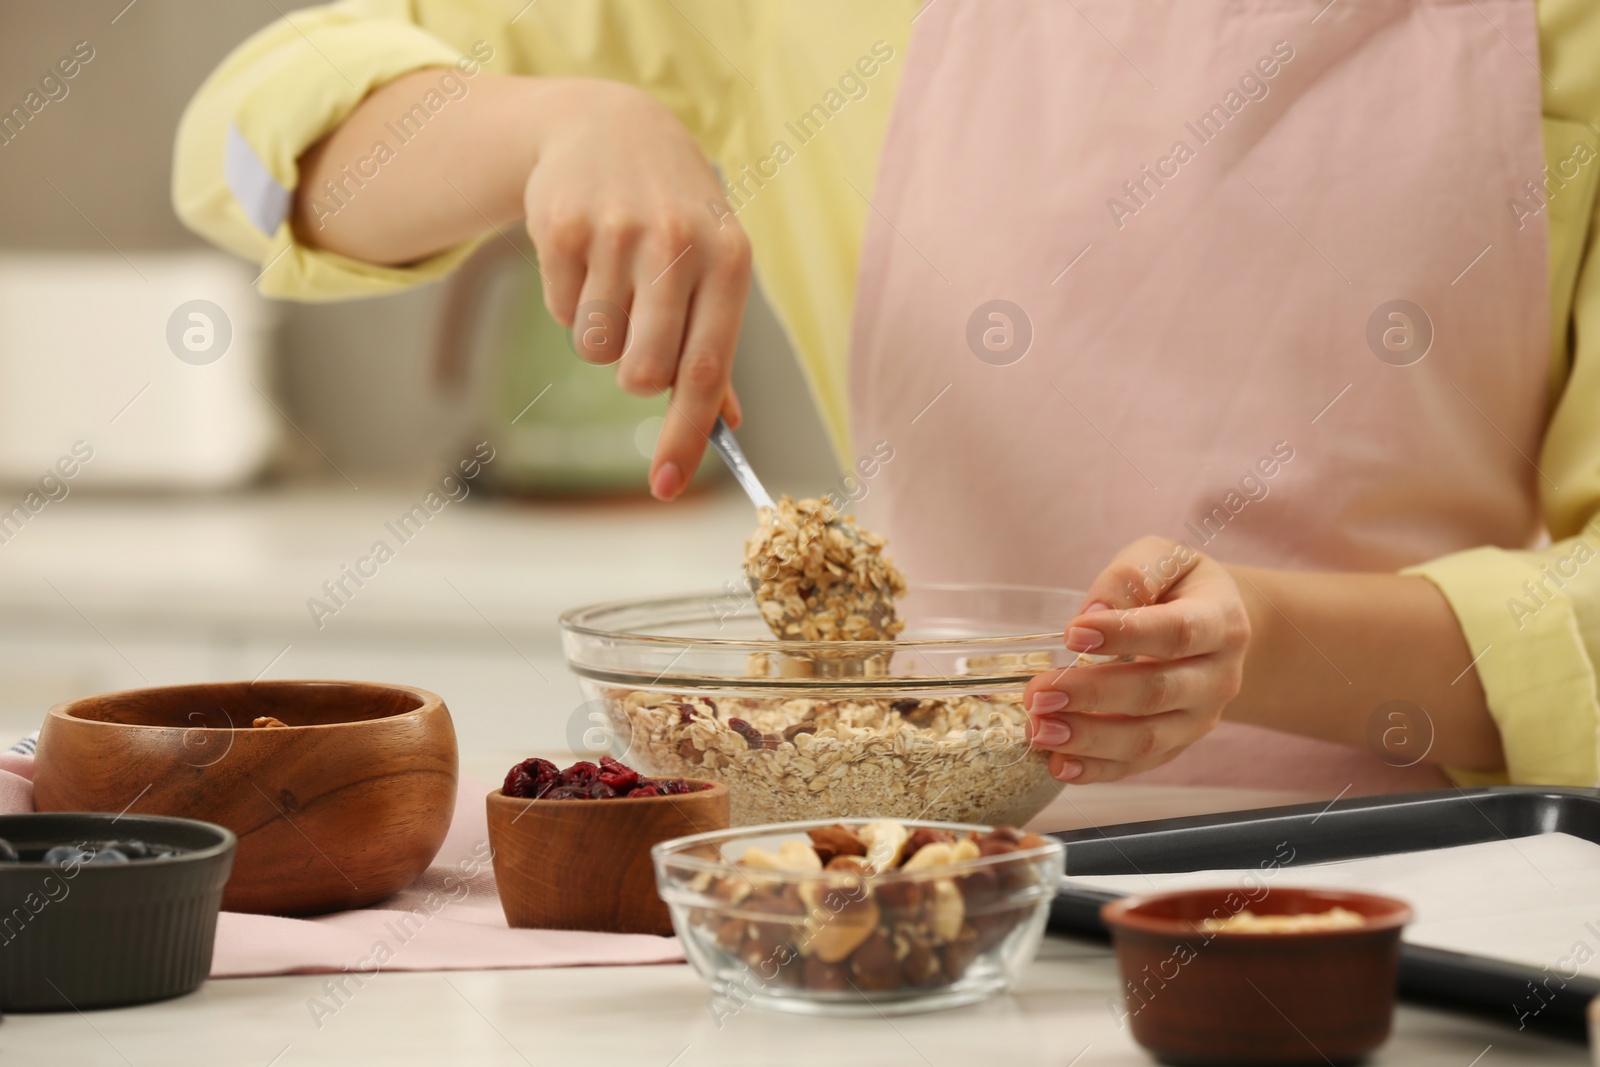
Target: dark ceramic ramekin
x=99 y=935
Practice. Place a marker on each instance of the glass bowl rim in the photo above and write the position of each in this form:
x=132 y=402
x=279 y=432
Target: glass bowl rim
x=574 y=621
x=674 y=851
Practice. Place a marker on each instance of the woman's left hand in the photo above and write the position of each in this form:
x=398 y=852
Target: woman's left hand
x=1181 y=616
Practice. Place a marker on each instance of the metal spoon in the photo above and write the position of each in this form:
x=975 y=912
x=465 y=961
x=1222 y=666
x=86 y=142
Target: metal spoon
x=723 y=441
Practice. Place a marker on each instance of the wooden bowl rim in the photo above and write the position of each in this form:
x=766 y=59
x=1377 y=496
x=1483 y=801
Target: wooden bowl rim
x=717 y=789
x=1125 y=914
x=431 y=702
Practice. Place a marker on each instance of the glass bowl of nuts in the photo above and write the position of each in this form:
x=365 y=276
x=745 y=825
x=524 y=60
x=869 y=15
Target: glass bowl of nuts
x=928 y=726
x=858 y=917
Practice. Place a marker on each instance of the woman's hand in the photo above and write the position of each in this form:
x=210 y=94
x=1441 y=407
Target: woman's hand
x=1181 y=617
x=639 y=251
x=619 y=206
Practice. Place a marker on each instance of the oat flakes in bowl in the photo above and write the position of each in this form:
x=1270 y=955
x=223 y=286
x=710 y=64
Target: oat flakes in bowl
x=929 y=726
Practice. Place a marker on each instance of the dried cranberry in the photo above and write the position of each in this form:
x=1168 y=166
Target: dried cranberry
x=582 y=772
x=618 y=776
x=599 y=790
x=530 y=778
x=645 y=791
x=568 y=792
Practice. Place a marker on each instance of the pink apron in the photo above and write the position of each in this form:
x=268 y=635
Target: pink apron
x=1258 y=290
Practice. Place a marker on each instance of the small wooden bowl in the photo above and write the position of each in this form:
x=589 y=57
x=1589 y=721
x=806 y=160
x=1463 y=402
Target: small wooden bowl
x=1238 y=999
x=585 y=864
x=342 y=807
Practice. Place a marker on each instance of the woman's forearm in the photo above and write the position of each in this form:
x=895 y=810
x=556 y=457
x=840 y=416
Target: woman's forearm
x=397 y=181
x=1328 y=650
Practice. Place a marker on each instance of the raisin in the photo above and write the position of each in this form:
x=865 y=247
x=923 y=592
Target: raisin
x=712 y=704
x=752 y=737
x=903 y=706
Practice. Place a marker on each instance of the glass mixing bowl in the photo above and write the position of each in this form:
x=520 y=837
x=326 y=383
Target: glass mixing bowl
x=851 y=943
x=929 y=726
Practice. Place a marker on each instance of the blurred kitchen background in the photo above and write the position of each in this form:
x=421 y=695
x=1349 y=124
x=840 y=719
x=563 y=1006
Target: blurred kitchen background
x=221 y=493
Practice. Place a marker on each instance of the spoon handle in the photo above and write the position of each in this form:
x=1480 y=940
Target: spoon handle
x=722 y=440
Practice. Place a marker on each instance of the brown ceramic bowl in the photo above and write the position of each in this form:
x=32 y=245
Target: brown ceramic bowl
x=343 y=806
x=1194 y=997
x=585 y=864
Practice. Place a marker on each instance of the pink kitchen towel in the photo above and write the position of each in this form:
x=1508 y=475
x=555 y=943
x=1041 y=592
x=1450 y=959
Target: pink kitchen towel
x=449 y=919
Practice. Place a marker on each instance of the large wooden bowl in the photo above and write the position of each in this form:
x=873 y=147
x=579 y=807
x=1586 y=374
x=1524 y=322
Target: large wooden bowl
x=345 y=805
x=585 y=864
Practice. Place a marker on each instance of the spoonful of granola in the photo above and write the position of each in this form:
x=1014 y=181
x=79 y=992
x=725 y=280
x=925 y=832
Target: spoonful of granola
x=815 y=575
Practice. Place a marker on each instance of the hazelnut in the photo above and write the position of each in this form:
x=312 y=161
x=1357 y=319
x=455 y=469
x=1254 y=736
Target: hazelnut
x=958 y=955
x=900 y=898
x=836 y=840
x=919 y=962
x=874 y=964
x=830 y=977
x=729 y=934
x=927 y=835
x=993 y=928
x=979 y=889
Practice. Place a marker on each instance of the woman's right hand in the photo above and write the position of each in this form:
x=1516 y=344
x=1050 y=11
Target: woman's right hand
x=624 y=210
x=628 y=218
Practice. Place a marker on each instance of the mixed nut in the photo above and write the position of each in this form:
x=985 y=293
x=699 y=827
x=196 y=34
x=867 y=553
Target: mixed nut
x=875 y=908
x=539 y=779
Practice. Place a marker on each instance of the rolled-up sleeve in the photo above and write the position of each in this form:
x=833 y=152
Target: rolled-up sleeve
x=234 y=165
x=235 y=160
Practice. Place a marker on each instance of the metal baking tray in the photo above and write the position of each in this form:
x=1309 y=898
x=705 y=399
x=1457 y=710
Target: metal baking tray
x=1353 y=829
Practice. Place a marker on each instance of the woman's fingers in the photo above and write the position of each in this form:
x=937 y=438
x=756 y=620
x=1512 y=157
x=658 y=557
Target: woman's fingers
x=1140 y=574
x=700 y=386
x=1125 y=738
x=1086 y=770
x=660 y=310
x=1144 y=688
x=1177 y=629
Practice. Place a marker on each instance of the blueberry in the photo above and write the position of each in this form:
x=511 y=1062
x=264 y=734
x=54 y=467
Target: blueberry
x=61 y=855
x=134 y=850
x=107 y=855
x=7 y=853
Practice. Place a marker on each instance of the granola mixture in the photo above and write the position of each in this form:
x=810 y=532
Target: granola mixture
x=961 y=759
x=817 y=577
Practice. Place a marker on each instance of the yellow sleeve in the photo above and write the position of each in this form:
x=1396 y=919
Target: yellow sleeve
x=1533 y=618
x=234 y=166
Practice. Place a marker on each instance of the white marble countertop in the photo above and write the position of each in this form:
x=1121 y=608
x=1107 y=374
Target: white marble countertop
x=658 y=1016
